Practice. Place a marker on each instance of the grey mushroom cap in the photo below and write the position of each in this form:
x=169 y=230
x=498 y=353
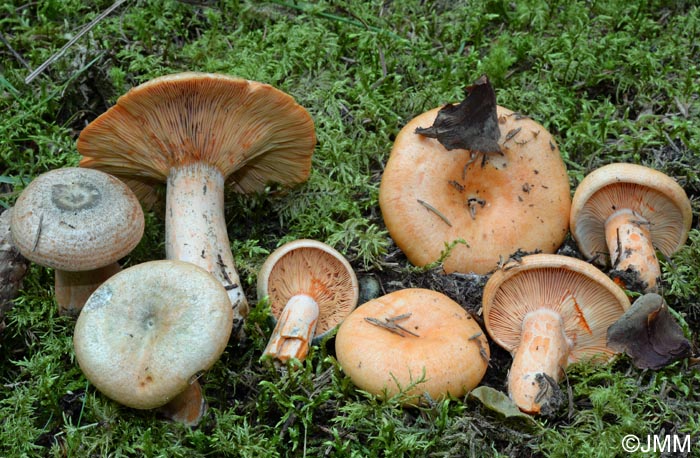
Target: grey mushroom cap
x=148 y=331
x=76 y=219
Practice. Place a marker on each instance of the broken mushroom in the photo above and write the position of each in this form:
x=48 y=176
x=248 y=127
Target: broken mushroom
x=629 y=211
x=482 y=175
x=311 y=288
x=147 y=333
x=413 y=341
x=199 y=132
x=549 y=311
x=79 y=222
x=649 y=334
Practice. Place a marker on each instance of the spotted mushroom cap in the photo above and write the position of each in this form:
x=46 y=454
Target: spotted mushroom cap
x=251 y=132
x=443 y=347
x=146 y=332
x=313 y=268
x=651 y=194
x=76 y=219
x=587 y=300
x=431 y=197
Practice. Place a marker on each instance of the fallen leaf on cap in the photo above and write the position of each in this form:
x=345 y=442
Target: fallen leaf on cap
x=472 y=124
x=649 y=334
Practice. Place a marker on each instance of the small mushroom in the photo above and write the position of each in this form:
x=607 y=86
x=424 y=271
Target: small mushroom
x=629 y=211
x=498 y=197
x=311 y=288
x=416 y=341
x=200 y=132
x=147 y=333
x=549 y=311
x=79 y=222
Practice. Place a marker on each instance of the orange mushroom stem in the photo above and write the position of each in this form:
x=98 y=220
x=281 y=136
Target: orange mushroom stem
x=629 y=241
x=544 y=349
x=187 y=407
x=294 y=330
x=195 y=227
x=72 y=289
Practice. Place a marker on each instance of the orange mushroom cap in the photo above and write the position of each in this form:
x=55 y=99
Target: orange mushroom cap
x=586 y=299
x=649 y=193
x=315 y=269
x=431 y=197
x=251 y=132
x=442 y=344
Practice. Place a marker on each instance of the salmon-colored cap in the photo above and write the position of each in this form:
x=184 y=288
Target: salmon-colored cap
x=76 y=219
x=315 y=269
x=148 y=331
x=251 y=132
x=440 y=344
x=649 y=193
x=586 y=299
x=431 y=197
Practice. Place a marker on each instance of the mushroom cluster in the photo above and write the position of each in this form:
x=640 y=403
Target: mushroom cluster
x=479 y=187
x=199 y=132
x=147 y=332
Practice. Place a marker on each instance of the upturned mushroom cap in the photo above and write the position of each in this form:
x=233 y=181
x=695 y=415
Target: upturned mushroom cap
x=586 y=299
x=251 y=132
x=145 y=333
x=442 y=345
x=315 y=269
x=430 y=196
x=76 y=219
x=649 y=193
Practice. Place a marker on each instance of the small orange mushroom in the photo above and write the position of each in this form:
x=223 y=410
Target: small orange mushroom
x=311 y=288
x=629 y=211
x=415 y=341
x=549 y=311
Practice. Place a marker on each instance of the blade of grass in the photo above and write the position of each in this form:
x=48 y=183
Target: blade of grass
x=72 y=41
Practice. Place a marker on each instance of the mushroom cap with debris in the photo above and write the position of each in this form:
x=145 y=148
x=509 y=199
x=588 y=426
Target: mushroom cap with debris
x=416 y=341
x=519 y=201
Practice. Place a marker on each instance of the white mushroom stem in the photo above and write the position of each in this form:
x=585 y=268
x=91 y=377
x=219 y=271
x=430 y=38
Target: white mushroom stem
x=187 y=407
x=543 y=350
x=72 y=289
x=294 y=330
x=629 y=241
x=195 y=228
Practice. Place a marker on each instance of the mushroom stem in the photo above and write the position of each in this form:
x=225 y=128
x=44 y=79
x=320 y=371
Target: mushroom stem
x=195 y=228
x=72 y=289
x=187 y=407
x=294 y=330
x=629 y=241
x=543 y=350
